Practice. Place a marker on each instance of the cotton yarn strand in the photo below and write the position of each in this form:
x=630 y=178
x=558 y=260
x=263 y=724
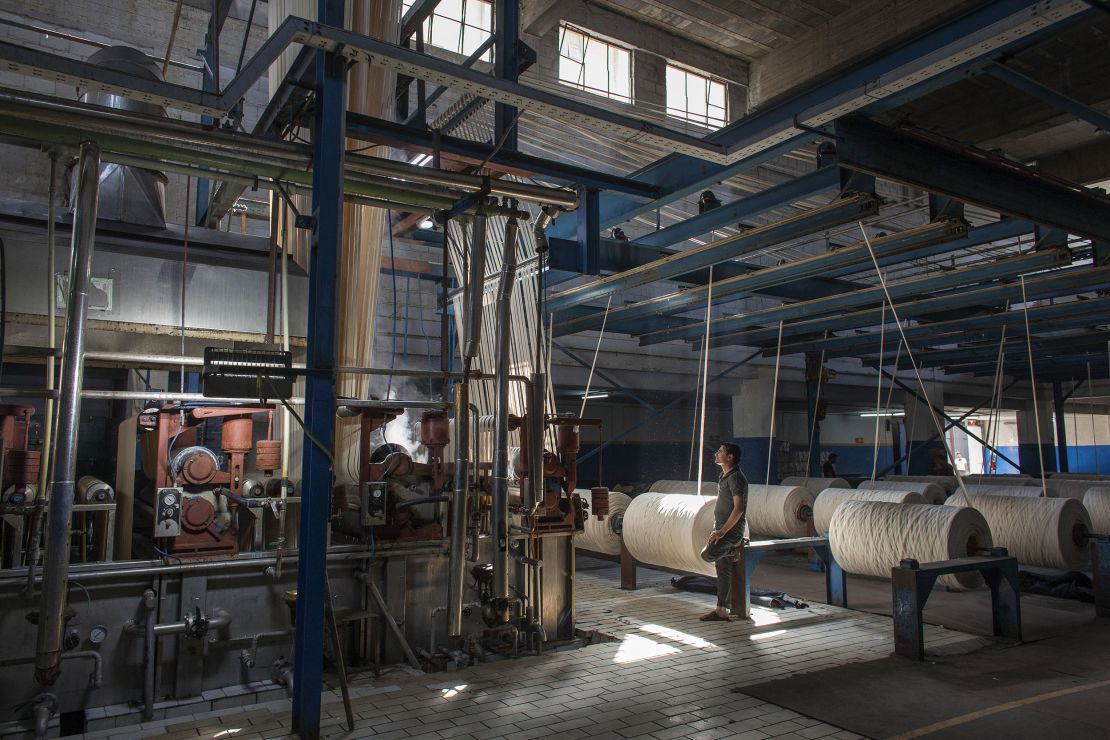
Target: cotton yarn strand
x=670 y=530
x=778 y=511
x=932 y=492
x=684 y=486
x=1045 y=532
x=598 y=536
x=871 y=537
x=815 y=485
x=828 y=500
x=1097 y=503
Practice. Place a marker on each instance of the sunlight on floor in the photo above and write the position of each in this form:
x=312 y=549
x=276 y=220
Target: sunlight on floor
x=635 y=648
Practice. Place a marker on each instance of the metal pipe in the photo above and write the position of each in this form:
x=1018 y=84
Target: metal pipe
x=42 y=709
x=388 y=616
x=150 y=646
x=250 y=657
x=220 y=619
x=475 y=285
x=154 y=568
x=96 y=678
x=500 y=489
x=52 y=607
x=537 y=409
x=459 y=515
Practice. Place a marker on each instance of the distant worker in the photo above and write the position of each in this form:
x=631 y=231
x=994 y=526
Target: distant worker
x=961 y=463
x=729 y=520
x=828 y=469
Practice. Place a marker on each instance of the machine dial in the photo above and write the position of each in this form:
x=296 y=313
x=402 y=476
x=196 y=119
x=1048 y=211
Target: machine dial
x=98 y=634
x=169 y=499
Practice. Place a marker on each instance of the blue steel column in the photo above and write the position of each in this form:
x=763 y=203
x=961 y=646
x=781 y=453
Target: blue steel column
x=327 y=213
x=1061 y=427
x=506 y=25
x=813 y=382
x=589 y=233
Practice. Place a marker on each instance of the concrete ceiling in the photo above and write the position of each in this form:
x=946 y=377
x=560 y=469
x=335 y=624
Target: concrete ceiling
x=747 y=29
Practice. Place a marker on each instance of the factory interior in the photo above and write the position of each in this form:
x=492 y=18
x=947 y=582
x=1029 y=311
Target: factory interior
x=380 y=368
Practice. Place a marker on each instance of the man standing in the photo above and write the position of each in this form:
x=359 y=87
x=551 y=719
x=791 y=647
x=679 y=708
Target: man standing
x=828 y=470
x=729 y=519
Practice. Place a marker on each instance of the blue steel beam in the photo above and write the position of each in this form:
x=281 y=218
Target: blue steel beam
x=874 y=295
x=617 y=385
x=1062 y=282
x=841 y=261
x=1028 y=85
x=971 y=175
x=507 y=33
x=838 y=212
x=729 y=214
x=1042 y=348
x=316 y=474
x=982 y=327
x=902 y=71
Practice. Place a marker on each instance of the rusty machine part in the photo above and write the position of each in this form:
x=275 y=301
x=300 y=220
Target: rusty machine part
x=599 y=502
x=435 y=434
x=267 y=455
x=24 y=466
x=21 y=466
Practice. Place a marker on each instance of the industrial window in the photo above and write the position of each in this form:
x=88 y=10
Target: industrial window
x=460 y=26
x=594 y=64
x=696 y=97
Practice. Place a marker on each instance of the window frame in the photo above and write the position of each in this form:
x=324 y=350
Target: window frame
x=706 y=120
x=460 y=47
x=610 y=45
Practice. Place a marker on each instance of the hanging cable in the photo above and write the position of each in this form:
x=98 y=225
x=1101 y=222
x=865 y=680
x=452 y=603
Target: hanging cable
x=774 y=398
x=816 y=405
x=705 y=379
x=1033 y=382
x=879 y=393
x=593 y=365
x=909 y=354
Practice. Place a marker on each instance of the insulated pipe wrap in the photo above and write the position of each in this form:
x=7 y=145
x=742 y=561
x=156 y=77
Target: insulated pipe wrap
x=1097 y=503
x=931 y=492
x=669 y=530
x=598 y=536
x=815 y=485
x=871 y=537
x=778 y=511
x=1045 y=532
x=828 y=500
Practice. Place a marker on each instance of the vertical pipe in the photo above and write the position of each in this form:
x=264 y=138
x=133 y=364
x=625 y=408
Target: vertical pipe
x=286 y=420
x=500 y=514
x=56 y=569
x=271 y=275
x=150 y=652
x=475 y=285
x=459 y=514
x=536 y=427
x=316 y=475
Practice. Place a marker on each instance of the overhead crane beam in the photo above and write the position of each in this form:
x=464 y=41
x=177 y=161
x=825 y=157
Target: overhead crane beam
x=839 y=262
x=1063 y=282
x=838 y=212
x=972 y=175
x=1042 y=348
x=872 y=295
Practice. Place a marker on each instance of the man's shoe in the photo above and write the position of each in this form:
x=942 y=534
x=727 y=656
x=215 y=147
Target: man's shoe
x=714 y=617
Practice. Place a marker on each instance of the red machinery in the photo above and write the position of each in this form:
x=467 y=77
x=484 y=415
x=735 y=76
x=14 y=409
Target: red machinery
x=561 y=509
x=20 y=470
x=175 y=458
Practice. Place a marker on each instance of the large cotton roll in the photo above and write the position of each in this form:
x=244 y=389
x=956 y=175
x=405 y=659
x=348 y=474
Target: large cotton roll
x=1079 y=476
x=931 y=492
x=1014 y=491
x=1076 y=489
x=871 y=537
x=1001 y=480
x=670 y=530
x=815 y=485
x=778 y=511
x=708 y=488
x=1097 y=503
x=1046 y=532
x=598 y=536
x=947 y=482
x=827 y=502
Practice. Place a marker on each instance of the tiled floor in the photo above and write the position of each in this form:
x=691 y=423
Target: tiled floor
x=666 y=675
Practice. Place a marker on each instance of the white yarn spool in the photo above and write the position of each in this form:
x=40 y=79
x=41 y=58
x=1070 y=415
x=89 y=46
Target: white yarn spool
x=1076 y=489
x=598 y=536
x=827 y=502
x=871 y=537
x=708 y=488
x=1013 y=491
x=947 y=482
x=778 y=511
x=1080 y=476
x=1045 y=532
x=931 y=492
x=1097 y=503
x=670 y=530
x=1001 y=480
x=815 y=485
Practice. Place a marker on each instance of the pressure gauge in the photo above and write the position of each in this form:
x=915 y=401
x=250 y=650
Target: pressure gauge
x=169 y=499
x=98 y=634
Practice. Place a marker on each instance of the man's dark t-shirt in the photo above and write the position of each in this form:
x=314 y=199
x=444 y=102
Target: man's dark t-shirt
x=732 y=483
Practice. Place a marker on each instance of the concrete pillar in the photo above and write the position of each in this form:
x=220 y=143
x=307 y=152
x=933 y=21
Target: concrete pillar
x=751 y=425
x=1028 y=458
x=925 y=453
